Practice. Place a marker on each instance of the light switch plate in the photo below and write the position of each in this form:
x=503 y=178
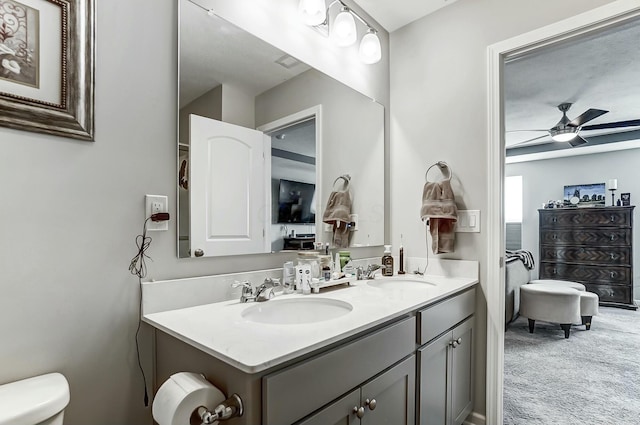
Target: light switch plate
x=468 y=221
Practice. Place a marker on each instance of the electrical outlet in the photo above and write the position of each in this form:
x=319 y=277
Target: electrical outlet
x=156 y=204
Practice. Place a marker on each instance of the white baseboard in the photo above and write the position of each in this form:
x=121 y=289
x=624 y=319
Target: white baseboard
x=475 y=419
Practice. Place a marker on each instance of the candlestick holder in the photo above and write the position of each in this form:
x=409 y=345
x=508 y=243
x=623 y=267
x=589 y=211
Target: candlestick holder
x=612 y=197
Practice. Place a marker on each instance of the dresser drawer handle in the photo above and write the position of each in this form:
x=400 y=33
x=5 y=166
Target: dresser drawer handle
x=554 y=219
x=612 y=274
x=613 y=237
x=554 y=236
x=613 y=219
x=613 y=256
x=555 y=271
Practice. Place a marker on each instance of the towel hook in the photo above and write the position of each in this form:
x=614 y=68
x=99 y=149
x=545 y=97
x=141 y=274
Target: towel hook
x=443 y=167
x=346 y=178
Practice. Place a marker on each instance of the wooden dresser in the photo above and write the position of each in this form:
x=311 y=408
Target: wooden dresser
x=592 y=246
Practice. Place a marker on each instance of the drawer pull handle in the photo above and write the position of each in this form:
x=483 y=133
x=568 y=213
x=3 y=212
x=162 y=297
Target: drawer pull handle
x=613 y=274
x=456 y=342
x=554 y=236
x=554 y=219
x=371 y=404
x=359 y=411
x=613 y=237
x=613 y=257
x=613 y=219
x=555 y=271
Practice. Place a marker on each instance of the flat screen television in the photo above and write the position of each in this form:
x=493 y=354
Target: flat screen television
x=294 y=202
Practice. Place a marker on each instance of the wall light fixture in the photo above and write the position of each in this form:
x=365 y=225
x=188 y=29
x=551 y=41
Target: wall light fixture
x=342 y=30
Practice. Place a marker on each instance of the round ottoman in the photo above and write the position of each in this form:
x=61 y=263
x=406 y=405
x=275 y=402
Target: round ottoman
x=588 y=307
x=563 y=283
x=550 y=303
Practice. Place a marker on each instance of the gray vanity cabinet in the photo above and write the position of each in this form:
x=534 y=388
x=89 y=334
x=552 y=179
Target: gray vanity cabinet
x=388 y=399
x=445 y=363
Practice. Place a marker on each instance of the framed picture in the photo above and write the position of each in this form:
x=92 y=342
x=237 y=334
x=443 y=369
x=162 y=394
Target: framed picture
x=626 y=199
x=47 y=56
x=585 y=195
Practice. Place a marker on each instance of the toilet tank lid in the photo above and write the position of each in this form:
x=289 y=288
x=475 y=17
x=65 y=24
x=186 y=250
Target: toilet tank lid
x=33 y=400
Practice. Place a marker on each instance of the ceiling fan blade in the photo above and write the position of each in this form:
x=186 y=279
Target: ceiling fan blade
x=586 y=117
x=577 y=141
x=617 y=124
x=527 y=141
x=525 y=131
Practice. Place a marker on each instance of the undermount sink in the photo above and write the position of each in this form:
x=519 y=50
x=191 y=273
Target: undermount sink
x=404 y=283
x=296 y=311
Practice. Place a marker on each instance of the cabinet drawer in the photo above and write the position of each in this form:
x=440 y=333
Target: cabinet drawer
x=616 y=275
x=327 y=376
x=586 y=217
x=614 y=255
x=604 y=237
x=437 y=318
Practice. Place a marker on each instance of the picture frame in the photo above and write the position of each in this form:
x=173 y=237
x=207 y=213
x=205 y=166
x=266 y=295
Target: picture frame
x=585 y=195
x=47 y=59
x=626 y=199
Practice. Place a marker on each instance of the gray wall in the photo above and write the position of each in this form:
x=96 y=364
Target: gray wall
x=71 y=210
x=545 y=179
x=439 y=112
x=208 y=105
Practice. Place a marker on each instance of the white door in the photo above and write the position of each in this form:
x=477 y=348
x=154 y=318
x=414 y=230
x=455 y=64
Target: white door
x=230 y=206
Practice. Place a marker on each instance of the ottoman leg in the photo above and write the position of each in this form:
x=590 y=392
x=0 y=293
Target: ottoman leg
x=567 y=329
x=586 y=320
x=532 y=324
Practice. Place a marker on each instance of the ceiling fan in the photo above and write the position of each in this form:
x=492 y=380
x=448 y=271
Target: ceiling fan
x=568 y=130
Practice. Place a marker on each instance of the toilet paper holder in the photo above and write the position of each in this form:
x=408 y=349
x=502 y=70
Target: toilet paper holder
x=230 y=408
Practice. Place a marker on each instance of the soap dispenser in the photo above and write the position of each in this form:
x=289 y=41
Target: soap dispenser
x=387 y=262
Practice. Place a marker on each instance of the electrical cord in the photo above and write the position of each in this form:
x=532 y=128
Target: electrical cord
x=138 y=268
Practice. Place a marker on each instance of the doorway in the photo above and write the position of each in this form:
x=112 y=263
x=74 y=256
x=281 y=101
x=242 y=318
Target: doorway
x=585 y=24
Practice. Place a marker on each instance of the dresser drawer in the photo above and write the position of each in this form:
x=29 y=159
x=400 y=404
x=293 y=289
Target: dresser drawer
x=614 y=255
x=603 y=237
x=586 y=217
x=442 y=316
x=611 y=294
x=615 y=275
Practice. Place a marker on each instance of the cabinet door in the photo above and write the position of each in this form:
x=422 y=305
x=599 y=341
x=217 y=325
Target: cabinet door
x=390 y=398
x=433 y=364
x=340 y=412
x=462 y=371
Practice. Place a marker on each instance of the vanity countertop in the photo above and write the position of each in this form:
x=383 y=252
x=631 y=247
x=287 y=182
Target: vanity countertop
x=220 y=330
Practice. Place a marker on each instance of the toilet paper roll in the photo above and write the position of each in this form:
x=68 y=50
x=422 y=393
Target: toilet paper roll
x=180 y=395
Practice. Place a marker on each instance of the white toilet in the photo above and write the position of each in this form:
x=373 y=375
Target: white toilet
x=40 y=400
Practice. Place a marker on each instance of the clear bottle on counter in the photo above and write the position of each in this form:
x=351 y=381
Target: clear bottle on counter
x=313 y=259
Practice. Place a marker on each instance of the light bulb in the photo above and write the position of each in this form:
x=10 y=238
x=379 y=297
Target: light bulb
x=344 y=29
x=370 y=50
x=312 y=12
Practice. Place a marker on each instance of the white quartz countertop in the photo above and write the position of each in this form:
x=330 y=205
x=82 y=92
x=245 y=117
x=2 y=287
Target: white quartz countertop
x=219 y=329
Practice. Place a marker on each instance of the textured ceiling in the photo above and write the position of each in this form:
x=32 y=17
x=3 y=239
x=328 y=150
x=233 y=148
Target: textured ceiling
x=600 y=71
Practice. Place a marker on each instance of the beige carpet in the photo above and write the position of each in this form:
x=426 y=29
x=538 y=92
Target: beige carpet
x=592 y=378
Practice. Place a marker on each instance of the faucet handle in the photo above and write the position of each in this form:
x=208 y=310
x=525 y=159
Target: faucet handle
x=245 y=284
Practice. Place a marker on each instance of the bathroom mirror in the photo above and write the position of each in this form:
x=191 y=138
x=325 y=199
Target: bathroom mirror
x=240 y=100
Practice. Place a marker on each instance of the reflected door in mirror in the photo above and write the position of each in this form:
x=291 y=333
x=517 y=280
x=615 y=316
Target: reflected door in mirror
x=228 y=175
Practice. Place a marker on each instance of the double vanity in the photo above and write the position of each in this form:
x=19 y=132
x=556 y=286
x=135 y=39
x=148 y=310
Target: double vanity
x=388 y=350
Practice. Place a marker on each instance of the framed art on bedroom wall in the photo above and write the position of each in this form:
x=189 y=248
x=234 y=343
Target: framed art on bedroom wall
x=585 y=195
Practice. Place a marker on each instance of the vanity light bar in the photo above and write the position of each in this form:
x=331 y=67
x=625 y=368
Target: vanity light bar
x=344 y=32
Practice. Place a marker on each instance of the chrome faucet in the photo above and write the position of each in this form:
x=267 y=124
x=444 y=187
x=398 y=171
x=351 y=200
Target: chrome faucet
x=363 y=274
x=265 y=291
x=247 y=291
x=262 y=293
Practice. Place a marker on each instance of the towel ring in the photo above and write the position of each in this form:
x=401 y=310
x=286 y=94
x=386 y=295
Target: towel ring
x=346 y=178
x=443 y=167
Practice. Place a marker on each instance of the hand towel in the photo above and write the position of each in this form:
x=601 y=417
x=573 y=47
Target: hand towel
x=338 y=214
x=439 y=207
